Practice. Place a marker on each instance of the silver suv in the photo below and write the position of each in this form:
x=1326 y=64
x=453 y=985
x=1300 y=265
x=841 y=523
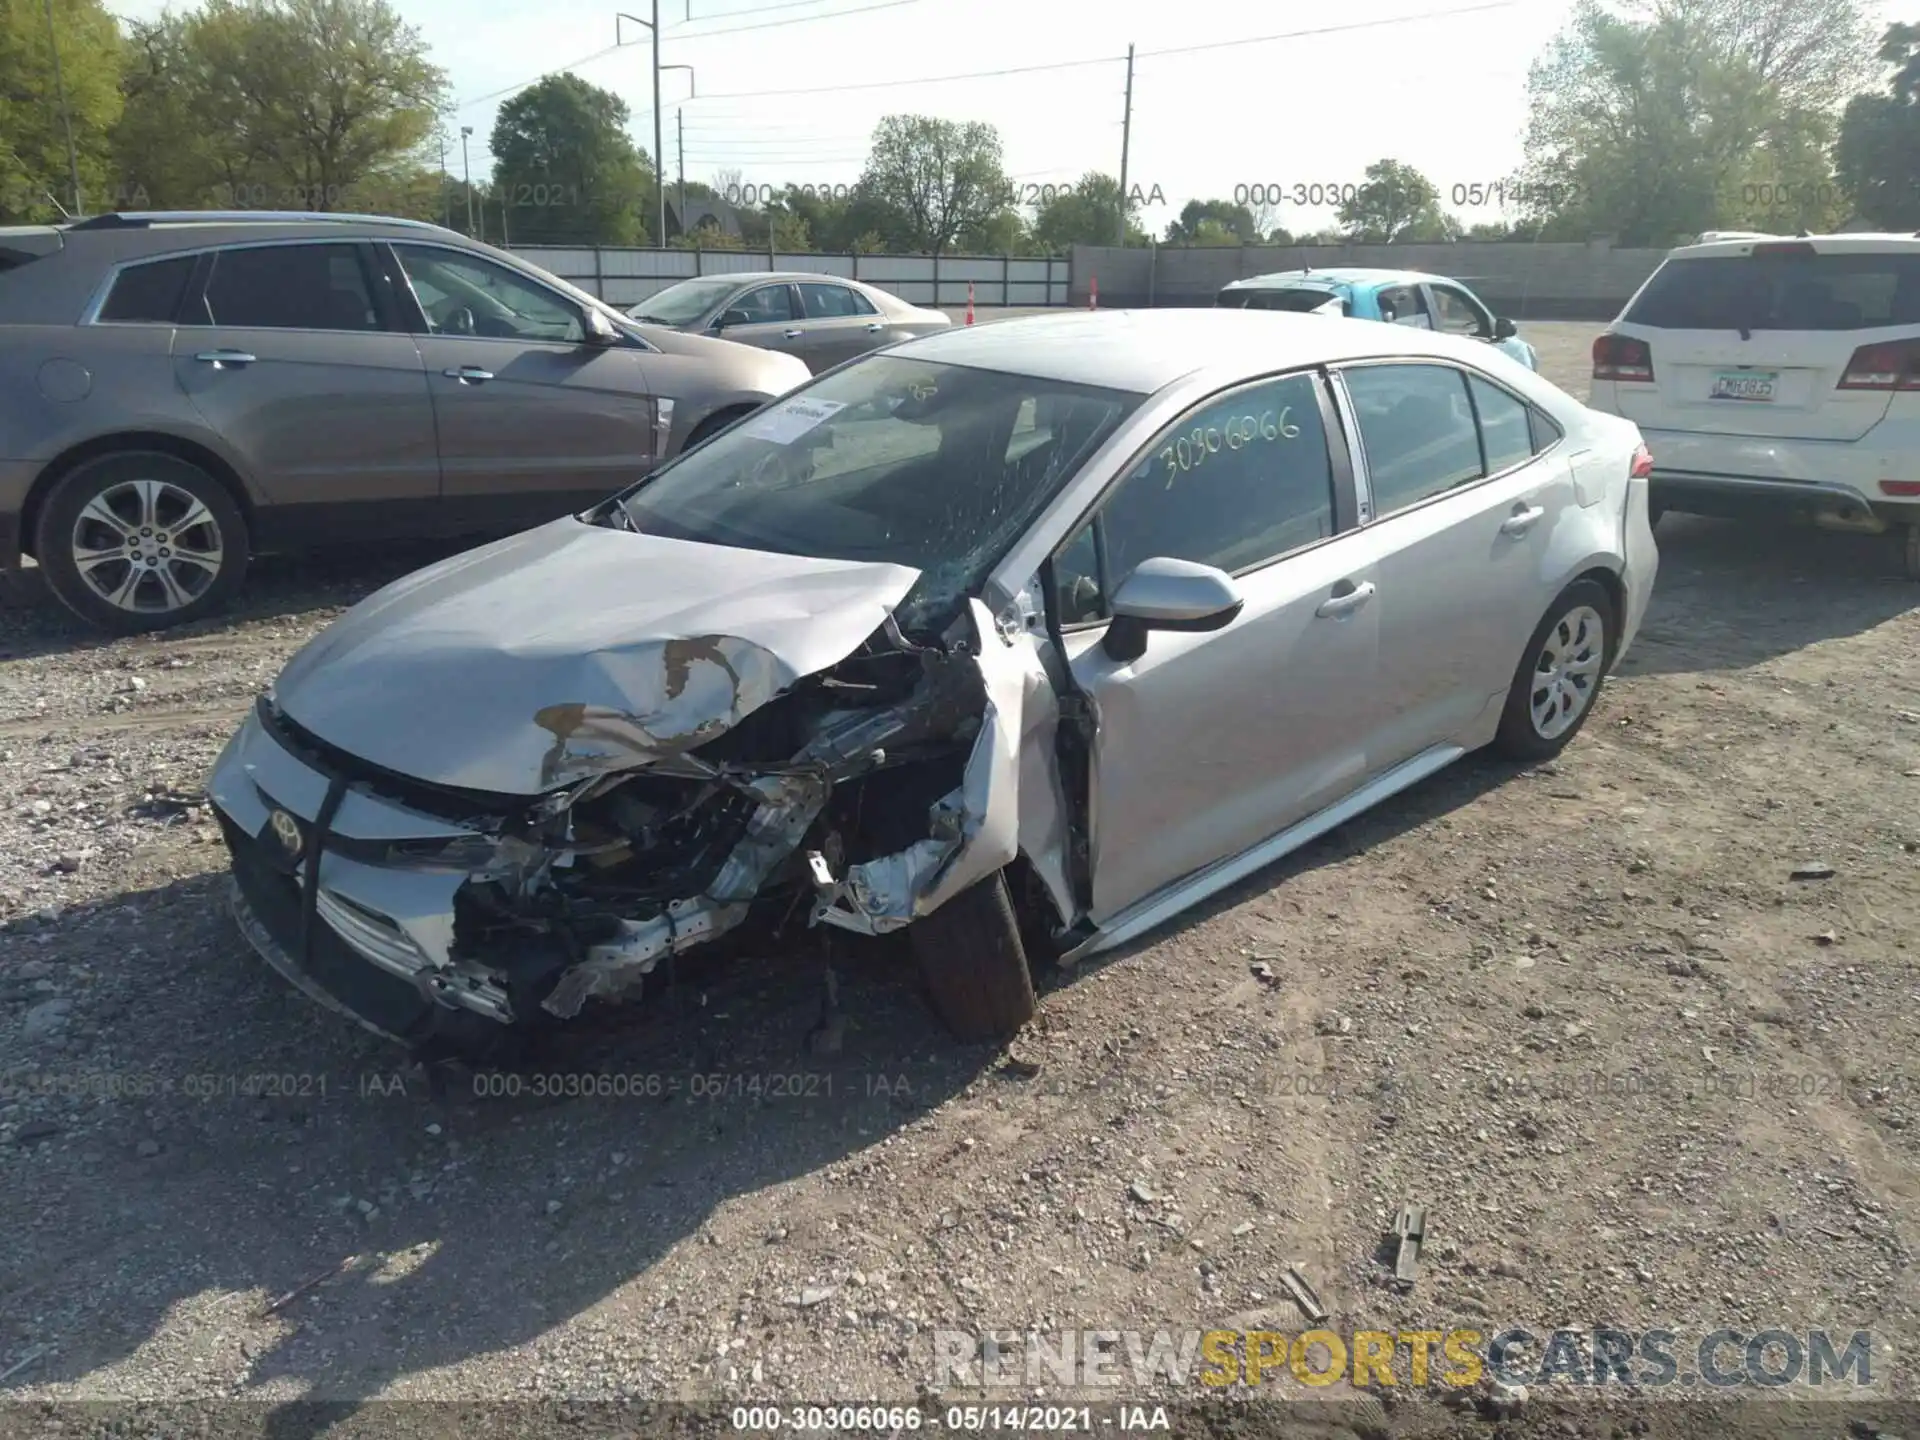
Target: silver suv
x=180 y=391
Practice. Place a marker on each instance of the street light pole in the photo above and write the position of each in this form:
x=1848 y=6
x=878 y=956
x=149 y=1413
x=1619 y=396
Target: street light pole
x=466 y=166
x=446 y=195
x=66 y=115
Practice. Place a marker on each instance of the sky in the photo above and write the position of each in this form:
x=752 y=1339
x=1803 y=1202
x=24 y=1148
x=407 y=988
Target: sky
x=1440 y=84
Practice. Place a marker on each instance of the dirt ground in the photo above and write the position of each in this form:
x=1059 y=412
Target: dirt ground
x=1639 y=1074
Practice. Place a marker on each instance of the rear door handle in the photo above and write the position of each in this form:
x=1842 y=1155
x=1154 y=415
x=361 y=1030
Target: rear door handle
x=792 y=334
x=468 y=374
x=1523 y=519
x=1346 y=601
x=221 y=358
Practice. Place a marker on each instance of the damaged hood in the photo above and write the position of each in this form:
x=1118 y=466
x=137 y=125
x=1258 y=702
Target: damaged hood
x=571 y=650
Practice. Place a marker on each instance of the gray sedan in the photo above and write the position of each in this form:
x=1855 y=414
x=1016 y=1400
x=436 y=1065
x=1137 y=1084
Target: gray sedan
x=1021 y=639
x=823 y=319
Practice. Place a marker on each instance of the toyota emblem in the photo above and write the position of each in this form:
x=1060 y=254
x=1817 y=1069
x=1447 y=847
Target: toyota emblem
x=286 y=830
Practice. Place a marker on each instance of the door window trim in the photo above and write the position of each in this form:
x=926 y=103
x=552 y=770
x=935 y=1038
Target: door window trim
x=1346 y=510
x=1350 y=416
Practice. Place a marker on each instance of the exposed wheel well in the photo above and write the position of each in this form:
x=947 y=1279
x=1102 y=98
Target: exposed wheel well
x=1617 y=593
x=68 y=460
x=718 y=420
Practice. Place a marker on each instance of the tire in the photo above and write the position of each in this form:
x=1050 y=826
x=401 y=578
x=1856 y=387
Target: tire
x=972 y=962
x=1579 y=626
x=184 y=581
x=1910 y=552
x=713 y=425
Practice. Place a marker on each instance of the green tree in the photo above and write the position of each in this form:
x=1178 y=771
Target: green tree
x=1877 y=159
x=1652 y=122
x=33 y=130
x=1087 y=214
x=1394 y=202
x=272 y=104
x=939 y=178
x=566 y=167
x=1005 y=232
x=1213 y=222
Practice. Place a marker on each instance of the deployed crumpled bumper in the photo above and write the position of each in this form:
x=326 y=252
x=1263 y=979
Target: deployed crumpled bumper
x=374 y=943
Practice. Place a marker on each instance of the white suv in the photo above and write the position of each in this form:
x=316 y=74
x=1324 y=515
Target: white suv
x=1775 y=373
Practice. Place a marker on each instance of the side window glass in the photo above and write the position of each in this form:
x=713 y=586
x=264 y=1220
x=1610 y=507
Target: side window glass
x=1546 y=432
x=1240 y=481
x=827 y=302
x=861 y=305
x=1076 y=579
x=1504 y=426
x=1417 y=432
x=149 y=294
x=767 y=305
x=1456 y=314
x=465 y=295
x=1402 y=305
x=290 y=287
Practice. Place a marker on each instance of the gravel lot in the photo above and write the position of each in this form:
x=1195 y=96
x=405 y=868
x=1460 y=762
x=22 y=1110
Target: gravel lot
x=1639 y=1074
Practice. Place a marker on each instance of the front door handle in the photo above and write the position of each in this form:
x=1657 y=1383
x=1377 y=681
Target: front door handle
x=468 y=374
x=792 y=334
x=1346 y=598
x=1523 y=519
x=220 y=359
x=875 y=328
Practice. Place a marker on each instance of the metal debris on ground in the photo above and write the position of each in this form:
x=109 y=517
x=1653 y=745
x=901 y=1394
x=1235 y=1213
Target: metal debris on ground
x=1814 y=870
x=1411 y=1227
x=22 y=1363
x=1303 y=1296
x=304 y=1286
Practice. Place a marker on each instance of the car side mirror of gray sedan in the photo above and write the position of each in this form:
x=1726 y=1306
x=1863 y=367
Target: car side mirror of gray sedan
x=732 y=317
x=1168 y=594
x=1504 y=329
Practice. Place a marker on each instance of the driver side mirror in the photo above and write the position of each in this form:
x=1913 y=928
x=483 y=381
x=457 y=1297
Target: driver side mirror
x=600 y=330
x=1504 y=329
x=1168 y=594
x=732 y=317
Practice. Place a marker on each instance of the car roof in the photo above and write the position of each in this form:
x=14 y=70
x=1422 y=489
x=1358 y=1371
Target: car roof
x=755 y=277
x=1336 y=275
x=1144 y=351
x=1742 y=243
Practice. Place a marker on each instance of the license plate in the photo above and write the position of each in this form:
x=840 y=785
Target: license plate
x=1745 y=385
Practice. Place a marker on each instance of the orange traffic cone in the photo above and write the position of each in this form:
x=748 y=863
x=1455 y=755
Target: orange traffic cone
x=1093 y=292
x=969 y=302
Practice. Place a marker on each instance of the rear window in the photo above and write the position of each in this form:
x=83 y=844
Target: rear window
x=1781 y=292
x=1297 y=300
x=149 y=293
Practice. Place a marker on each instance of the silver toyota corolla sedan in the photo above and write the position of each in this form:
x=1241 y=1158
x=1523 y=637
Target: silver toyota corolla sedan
x=1022 y=639
x=822 y=319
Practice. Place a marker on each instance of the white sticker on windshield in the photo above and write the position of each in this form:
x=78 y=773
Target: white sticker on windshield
x=791 y=419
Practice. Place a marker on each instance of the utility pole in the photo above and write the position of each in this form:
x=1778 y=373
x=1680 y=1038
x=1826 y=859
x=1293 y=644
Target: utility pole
x=1126 y=137
x=66 y=115
x=446 y=191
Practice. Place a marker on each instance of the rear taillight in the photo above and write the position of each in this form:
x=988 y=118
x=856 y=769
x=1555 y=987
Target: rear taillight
x=1892 y=366
x=1905 y=489
x=1642 y=462
x=1620 y=357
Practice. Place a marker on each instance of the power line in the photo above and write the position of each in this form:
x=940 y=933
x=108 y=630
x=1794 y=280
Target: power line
x=556 y=70
x=1113 y=59
x=797 y=20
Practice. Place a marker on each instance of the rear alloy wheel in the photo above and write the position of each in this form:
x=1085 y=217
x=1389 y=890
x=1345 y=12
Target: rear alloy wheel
x=141 y=541
x=973 y=963
x=1560 y=677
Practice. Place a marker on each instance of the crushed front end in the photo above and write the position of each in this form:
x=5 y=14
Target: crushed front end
x=861 y=796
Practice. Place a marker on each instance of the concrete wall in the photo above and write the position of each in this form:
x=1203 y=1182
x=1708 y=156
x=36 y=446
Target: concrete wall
x=1565 y=282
